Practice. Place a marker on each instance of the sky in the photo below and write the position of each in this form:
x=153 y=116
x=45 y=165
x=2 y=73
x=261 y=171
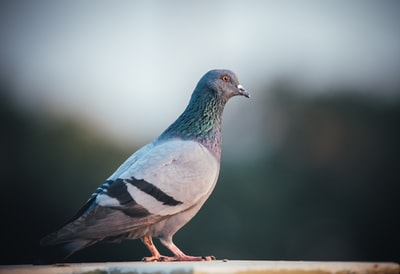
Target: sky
x=129 y=67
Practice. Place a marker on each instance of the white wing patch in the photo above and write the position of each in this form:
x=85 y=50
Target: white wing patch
x=107 y=201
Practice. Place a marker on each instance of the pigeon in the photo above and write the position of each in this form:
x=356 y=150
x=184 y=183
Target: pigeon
x=161 y=186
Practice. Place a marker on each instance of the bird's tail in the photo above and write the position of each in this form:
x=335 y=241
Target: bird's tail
x=66 y=238
x=74 y=246
x=65 y=248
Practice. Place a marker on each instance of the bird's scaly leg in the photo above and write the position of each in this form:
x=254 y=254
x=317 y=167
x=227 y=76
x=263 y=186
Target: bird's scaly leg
x=153 y=250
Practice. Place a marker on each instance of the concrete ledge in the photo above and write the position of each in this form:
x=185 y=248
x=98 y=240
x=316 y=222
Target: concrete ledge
x=215 y=267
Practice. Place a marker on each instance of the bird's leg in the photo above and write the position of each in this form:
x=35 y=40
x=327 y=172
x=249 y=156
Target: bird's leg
x=153 y=250
x=179 y=255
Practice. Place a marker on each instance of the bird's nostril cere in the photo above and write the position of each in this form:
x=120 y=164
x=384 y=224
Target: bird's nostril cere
x=243 y=91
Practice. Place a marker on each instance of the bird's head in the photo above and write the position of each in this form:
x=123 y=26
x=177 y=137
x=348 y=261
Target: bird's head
x=223 y=83
x=201 y=120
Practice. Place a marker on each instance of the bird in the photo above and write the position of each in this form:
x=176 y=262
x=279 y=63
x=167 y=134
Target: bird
x=161 y=186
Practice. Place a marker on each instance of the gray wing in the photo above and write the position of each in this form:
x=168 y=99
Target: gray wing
x=167 y=178
x=171 y=177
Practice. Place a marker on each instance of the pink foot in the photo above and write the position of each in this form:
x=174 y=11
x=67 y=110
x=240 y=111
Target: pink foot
x=178 y=259
x=185 y=258
x=151 y=259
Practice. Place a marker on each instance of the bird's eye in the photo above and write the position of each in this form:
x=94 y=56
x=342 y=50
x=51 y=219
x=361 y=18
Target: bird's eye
x=225 y=78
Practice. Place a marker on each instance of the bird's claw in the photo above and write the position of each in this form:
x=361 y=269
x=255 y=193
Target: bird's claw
x=150 y=259
x=208 y=258
x=176 y=258
x=158 y=259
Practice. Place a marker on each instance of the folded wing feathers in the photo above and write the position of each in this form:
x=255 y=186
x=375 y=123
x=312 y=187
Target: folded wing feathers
x=169 y=178
x=171 y=181
x=95 y=225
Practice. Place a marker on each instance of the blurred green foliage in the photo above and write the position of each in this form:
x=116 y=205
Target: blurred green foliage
x=327 y=191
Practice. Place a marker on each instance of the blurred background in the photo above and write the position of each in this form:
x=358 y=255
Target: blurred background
x=310 y=165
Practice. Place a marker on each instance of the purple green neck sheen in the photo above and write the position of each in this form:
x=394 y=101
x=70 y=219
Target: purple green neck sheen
x=201 y=122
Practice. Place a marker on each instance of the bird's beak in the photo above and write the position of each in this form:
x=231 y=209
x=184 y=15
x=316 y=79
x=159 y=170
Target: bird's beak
x=243 y=91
